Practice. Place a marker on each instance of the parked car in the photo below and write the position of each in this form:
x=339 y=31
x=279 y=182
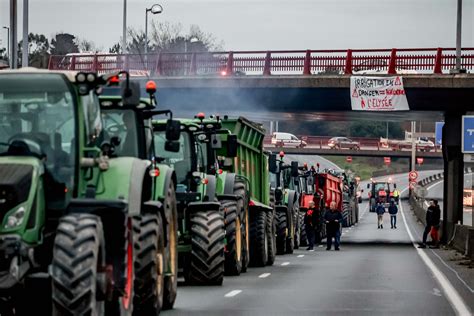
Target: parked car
x=343 y=142
x=287 y=140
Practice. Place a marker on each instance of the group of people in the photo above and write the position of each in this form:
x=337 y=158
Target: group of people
x=315 y=218
x=392 y=210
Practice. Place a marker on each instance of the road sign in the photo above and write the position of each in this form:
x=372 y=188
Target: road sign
x=468 y=134
x=386 y=160
x=419 y=160
x=413 y=175
x=349 y=159
x=412 y=185
x=439 y=133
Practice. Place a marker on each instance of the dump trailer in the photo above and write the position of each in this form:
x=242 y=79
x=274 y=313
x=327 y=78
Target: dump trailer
x=68 y=208
x=286 y=202
x=129 y=127
x=251 y=163
x=201 y=228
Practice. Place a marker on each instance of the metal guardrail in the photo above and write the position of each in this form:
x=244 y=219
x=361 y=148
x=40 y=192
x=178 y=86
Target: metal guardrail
x=296 y=62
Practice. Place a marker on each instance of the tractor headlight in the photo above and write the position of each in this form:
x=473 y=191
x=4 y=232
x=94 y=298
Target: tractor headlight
x=16 y=218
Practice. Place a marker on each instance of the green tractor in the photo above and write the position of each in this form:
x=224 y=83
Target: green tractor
x=130 y=128
x=201 y=227
x=67 y=209
x=286 y=202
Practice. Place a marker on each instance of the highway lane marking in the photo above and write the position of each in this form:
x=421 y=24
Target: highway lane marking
x=264 y=275
x=233 y=293
x=285 y=263
x=446 y=265
x=452 y=295
x=300 y=256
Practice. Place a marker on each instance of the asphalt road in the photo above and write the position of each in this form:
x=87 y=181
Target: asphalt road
x=376 y=272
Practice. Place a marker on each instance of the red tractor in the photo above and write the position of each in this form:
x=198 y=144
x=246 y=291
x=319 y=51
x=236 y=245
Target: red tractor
x=380 y=192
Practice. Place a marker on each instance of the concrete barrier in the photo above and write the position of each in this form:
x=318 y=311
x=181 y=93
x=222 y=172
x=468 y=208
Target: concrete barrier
x=463 y=240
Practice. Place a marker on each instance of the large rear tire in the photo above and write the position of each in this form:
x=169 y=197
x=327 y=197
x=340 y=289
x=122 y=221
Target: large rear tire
x=258 y=240
x=149 y=266
x=206 y=262
x=233 y=231
x=281 y=232
x=171 y=250
x=303 y=238
x=78 y=259
x=271 y=237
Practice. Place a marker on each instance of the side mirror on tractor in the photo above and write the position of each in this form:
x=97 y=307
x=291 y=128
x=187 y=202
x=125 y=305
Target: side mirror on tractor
x=368 y=185
x=395 y=185
x=294 y=169
x=130 y=93
x=172 y=146
x=173 y=130
x=272 y=163
x=232 y=145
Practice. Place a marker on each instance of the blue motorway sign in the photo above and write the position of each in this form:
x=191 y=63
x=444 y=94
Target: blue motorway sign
x=439 y=133
x=468 y=134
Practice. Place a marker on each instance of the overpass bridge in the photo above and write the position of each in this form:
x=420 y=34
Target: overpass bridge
x=308 y=85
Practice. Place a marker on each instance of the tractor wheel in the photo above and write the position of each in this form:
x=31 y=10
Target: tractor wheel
x=77 y=265
x=281 y=233
x=242 y=204
x=271 y=237
x=206 y=262
x=171 y=250
x=372 y=205
x=258 y=240
x=290 y=240
x=149 y=267
x=303 y=238
x=233 y=232
x=296 y=221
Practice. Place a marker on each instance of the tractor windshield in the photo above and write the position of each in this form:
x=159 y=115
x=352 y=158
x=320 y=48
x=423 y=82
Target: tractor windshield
x=381 y=186
x=181 y=161
x=123 y=125
x=37 y=119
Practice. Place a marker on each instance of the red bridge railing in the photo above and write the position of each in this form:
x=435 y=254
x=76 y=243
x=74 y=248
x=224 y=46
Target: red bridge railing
x=330 y=62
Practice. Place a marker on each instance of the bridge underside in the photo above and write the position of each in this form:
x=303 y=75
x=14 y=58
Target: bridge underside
x=309 y=98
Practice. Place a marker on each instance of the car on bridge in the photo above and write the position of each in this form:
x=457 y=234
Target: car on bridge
x=280 y=139
x=343 y=143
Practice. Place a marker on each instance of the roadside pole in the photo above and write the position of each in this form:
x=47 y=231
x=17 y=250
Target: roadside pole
x=13 y=35
x=24 y=52
x=413 y=152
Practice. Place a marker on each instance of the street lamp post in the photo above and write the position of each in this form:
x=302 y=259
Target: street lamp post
x=8 y=41
x=124 y=28
x=155 y=9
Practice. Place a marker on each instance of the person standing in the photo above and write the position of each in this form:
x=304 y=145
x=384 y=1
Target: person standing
x=380 y=210
x=333 y=219
x=393 y=210
x=310 y=225
x=433 y=216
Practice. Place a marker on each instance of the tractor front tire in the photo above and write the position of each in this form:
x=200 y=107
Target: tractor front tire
x=206 y=262
x=78 y=258
x=282 y=232
x=240 y=190
x=233 y=231
x=303 y=238
x=171 y=250
x=271 y=237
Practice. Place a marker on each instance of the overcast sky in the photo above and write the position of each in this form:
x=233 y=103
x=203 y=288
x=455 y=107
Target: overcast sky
x=263 y=24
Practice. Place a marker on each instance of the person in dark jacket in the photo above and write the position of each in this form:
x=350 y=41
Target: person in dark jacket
x=333 y=219
x=433 y=216
x=380 y=210
x=310 y=224
x=393 y=210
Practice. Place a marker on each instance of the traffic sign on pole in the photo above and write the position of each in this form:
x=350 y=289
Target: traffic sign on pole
x=413 y=175
x=419 y=160
x=412 y=185
x=349 y=159
x=468 y=134
x=386 y=160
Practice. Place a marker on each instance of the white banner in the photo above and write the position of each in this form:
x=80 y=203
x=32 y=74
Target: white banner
x=378 y=94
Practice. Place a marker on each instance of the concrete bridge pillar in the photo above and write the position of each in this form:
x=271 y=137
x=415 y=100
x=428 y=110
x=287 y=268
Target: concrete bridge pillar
x=453 y=173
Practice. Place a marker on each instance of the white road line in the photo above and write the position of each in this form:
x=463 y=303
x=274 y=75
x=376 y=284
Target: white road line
x=346 y=231
x=285 y=263
x=300 y=256
x=233 y=293
x=264 y=275
x=452 y=295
